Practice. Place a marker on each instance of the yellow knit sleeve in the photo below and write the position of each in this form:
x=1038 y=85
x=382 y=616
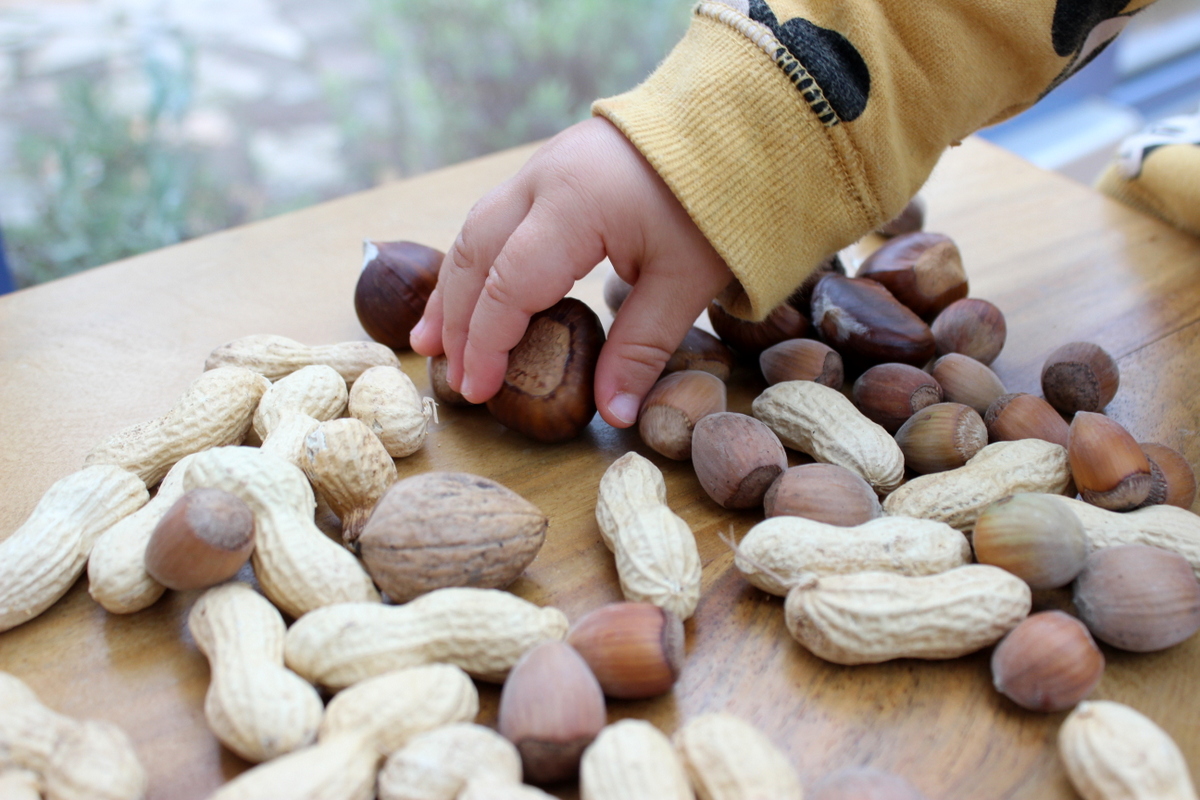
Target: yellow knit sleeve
x=790 y=129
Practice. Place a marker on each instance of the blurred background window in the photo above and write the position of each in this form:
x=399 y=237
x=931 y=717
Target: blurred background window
x=128 y=125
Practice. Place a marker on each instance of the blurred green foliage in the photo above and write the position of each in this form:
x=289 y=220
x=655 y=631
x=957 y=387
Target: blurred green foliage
x=451 y=79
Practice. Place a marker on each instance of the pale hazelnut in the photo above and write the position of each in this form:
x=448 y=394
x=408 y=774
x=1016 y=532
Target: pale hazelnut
x=802 y=360
x=202 y=540
x=672 y=408
x=1049 y=662
x=823 y=492
x=1018 y=415
x=393 y=288
x=888 y=394
x=1036 y=537
x=551 y=708
x=1080 y=376
x=736 y=458
x=967 y=381
x=635 y=650
x=970 y=326
x=940 y=437
x=1137 y=597
x=1109 y=468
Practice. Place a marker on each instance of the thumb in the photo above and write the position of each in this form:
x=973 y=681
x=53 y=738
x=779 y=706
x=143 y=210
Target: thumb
x=653 y=320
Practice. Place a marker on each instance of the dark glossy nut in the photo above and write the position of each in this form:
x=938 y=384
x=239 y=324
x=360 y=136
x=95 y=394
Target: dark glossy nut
x=888 y=394
x=802 y=360
x=202 y=540
x=548 y=390
x=861 y=320
x=924 y=271
x=736 y=458
x=970 y=326
x=967 y=381
x=703 y=351
x=940 y=437
x=672 y=408
x=751 y=338
x=910 y=219
x=440 y=387
x=1049 y=662
x=1024 y=416
x=1108 y=466
x=635 y=650
x=551 y=708
x=801 y=299
x=393 y=288
x=1173 y=482
x=1080 y=376
x=1138 y=597
x=823 y=492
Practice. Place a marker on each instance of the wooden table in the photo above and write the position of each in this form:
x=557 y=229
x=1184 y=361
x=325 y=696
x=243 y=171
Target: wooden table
x=83 y=357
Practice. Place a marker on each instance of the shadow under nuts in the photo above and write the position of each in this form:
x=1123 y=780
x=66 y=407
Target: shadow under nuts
x=548 y=390
x=442 y=529
x=736 y=458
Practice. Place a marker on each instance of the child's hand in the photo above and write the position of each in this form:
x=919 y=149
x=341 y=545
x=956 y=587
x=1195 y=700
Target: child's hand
x=587 y=194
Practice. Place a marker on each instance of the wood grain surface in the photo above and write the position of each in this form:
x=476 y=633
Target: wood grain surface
x=83 y=357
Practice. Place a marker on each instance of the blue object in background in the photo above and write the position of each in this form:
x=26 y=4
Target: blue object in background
x=6 y=281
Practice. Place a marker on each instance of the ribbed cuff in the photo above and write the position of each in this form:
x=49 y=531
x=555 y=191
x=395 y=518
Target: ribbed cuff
x=773 y=188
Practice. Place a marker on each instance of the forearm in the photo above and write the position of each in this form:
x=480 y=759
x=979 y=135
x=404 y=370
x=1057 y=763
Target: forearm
x=788 y=131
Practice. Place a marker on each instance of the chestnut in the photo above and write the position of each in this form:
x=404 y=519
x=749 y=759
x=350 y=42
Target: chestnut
x=863 y=321
x=548 y=390
x=751 y=338
x=393 y=288
x=702 y=351
x=437 y=366
x=801 y=298
x=924 y=271
x=911 y=218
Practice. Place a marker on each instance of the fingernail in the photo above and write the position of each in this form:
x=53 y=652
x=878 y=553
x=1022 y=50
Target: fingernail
x=468 y=386
x=624 y=407
x=418 y=330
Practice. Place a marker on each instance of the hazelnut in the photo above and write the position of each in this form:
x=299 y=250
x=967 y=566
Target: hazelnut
x=911 y=218
x=967 y=381
x=672 y=408
x=615 y=291
x=548 y=389
x=1018 y=415
x=1173 y=482
x=1109 y=468
x=202 y=540
x=864 y=783
x=1034 y=536
x=1137 y=597
x=751 y=338
x=736 y=458
x=551 y=708
x=439 y=529
x=801 y=299
x=1080 y=376
x=802 y=360
x=823 y=492
x=393 y=288
x=888 y=394
x=940 y=437
x=924 y=271
x=703 y=351
x=1049 y=662
x=970 y=326
x=437 y=366
x=863 y=321
x=635 y=650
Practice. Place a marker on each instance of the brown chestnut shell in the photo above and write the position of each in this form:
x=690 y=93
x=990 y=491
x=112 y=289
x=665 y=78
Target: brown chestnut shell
x=393 y=288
